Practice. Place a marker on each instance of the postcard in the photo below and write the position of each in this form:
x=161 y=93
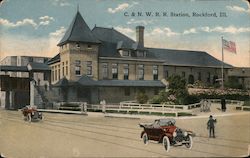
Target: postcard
x=124 y=78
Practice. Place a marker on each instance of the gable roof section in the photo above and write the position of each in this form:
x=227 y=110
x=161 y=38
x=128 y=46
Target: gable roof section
x=78 y=31
x=34 y=66
x=187 y=58
x=55 y=59
x=112 y=36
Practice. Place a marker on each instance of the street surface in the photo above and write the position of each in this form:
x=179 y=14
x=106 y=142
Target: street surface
x=62 y=135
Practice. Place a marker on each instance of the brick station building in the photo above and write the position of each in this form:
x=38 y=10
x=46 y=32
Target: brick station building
x=103 y=63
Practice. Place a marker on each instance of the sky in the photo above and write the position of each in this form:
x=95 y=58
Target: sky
x=34 y=27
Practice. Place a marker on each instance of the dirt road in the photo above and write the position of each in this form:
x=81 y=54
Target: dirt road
x=60 y=135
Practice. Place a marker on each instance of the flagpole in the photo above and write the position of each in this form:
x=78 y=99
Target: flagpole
x=222 y=65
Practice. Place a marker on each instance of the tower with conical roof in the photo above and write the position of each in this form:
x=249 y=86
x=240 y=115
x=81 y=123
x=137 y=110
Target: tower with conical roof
x=78 y=51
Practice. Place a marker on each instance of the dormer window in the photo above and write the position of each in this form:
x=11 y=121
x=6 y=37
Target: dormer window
x=124 y=53
x=77 y=45
x=140 y=54
x=89 y=46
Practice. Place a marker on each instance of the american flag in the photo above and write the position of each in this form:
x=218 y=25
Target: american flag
x=229 y=46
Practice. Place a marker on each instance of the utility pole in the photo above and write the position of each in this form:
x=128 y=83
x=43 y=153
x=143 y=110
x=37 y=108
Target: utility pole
x=222 y=64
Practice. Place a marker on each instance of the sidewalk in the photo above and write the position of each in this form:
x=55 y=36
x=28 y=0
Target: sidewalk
x=215 y=111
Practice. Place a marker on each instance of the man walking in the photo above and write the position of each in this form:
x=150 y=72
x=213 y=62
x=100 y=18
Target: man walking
x=210 y=126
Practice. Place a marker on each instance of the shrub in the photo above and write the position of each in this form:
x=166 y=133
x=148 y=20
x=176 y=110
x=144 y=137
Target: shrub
x=141 y=98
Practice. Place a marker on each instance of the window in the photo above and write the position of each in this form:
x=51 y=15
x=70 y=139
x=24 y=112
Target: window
x=55 y=73
x=114 y=71
x=199 y=76
x=156 y=91
x=127 y=91
x=77 y=45
x=77 y=62
x=30 y=59
x=140 y=54
x=126 y=72
x=183 y=74
x=89 y=46
x=105 y=70
x=166 y=74
x=63 y=68
x=141 y=72
x=78 y=70
x=125 y=53
x=155 y=72
x=52 y=73
x=66 y=68
x=45 y=76
x=208 y=77
x=59 y=73
x=89 y=68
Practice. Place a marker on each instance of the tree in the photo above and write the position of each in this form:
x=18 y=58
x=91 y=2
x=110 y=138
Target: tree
x=177 y=88
x=141 y=98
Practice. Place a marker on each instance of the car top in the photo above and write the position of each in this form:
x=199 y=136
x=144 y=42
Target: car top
x=166 y=122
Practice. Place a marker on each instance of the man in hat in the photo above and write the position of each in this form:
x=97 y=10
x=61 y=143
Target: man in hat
x=210 y=126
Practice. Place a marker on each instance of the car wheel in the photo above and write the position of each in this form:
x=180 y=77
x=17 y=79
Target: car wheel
x=189 y=144
x=166 y=143
x=145 y=138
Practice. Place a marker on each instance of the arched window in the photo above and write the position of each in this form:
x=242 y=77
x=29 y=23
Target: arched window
x=191 y=79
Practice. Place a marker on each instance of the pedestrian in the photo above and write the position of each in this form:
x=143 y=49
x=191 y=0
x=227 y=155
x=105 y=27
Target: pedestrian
x=85 y=107
x=103 y=103
x=81 y=108
x=209 y=105
x=202 y=106
x=211 y=125
x=205 y=105
x=223 y=105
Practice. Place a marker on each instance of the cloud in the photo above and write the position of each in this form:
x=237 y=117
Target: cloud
x=219 y=29
x=163 y=31
x=144 y=22
x=44 y=20
x=238 y=9
x=61 y=3
x=23 y=22
x=58 y=33
x=46 y=17
x=124 y=30
x=190 y=31
x=121 y=7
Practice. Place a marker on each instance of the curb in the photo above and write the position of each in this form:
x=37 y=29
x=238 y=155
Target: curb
x=61 y=112
x=184 y=117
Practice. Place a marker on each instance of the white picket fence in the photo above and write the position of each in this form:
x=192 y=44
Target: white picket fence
x=130 y=107
x=135 y=108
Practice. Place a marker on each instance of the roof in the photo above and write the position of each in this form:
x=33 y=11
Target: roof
x=13 y=68
x=62 y=82
x=131 y=83
x=108 y=49
x=55 y=59
x=34 y=66
x=187 y=58
x=112 y=36
x=87 y=81
x=78 y=31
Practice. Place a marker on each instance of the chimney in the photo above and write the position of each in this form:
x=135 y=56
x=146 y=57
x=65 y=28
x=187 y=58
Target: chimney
x=140 y=35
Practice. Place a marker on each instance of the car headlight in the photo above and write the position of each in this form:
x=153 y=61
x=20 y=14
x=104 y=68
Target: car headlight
x=185 y=133
x=174 y=134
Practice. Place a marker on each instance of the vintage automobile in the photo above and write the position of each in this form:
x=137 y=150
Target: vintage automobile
x=164 y=131
x=30 y=113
